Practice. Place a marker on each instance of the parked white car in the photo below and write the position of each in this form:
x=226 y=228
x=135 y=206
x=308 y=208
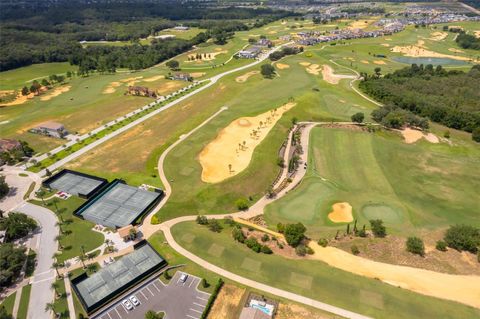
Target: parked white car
x=127 y=304
x=134 y=301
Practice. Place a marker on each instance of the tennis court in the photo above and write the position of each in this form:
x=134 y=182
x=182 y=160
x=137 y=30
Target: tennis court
x=102 y=286
x=118 y=205
x=75 y=183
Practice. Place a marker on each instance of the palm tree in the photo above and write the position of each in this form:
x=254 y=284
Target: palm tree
x=50 y=307
x=82 y=259
x=91 y=267
x=41 y=193
x=82 y=247
x=57 y=265
x=59 y=224
x=55 y=286
x=107 y=242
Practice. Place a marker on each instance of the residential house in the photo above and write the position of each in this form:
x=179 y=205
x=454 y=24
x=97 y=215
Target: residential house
x=52 y=129
x=182 y=77
x=249 y=53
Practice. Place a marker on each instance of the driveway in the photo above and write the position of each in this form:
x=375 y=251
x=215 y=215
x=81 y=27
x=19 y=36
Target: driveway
x=44 y=275
x=179 y=300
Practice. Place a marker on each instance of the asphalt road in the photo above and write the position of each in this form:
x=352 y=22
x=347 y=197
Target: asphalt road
x=44 y=275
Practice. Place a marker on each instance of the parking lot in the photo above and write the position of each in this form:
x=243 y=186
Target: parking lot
x=179 y=300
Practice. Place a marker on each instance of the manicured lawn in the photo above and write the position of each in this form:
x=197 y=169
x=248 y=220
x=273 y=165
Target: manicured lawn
x=315 y=279
x=23 y=307
x=60 y=304
x=409 y=186
x=81 y=230
x=17 y=78
x=8 y=303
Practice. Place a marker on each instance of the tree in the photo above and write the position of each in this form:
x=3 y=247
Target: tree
x=266 y=250
x=267 y=71
x=377 y=228
x=323 y=242
x=41 y=194
x=377 y=71
x=214 y=225
x=242 y=204
x=173 y=64
x=17 y=225
x=463 y=237
x=25 y=91
x=55 y=266
x=12 y=260
x=294 y=234
x=415 y=246
x=55 y=287
x=50 y=307
x=238 y=235
x=358 y=117
x=152 y=315
x=45 y=82
x=202 y=220
x=476 y=135
x=4 y=188
x=4 y=314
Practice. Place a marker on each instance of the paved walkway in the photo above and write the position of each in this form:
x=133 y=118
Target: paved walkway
x=68 y=291
x=47 y=246
x=16 y=304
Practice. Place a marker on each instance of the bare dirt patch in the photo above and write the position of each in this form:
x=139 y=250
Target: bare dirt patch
x=420 y=51
x=55 y=92
x=342 y=213
x=438 y=36
x=461 y=288
x=477 y=33
x=227 y=302
x=293 y=311
x=244 y=78
x=154 y=78
x=332 y=78
x=411 y=136
x=282 y=66
x=231 y=151
x=206 y=56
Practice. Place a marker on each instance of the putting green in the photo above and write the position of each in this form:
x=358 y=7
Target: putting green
x=383 y=212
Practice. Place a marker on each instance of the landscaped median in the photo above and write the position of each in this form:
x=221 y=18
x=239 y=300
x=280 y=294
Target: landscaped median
x=108 y=129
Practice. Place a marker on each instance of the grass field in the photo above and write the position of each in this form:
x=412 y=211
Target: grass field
x=60 y=304
x=409 y=186
x=81 y=230
x=17 y=78
x=23 y=307
x=315 y=279
x=8 y=303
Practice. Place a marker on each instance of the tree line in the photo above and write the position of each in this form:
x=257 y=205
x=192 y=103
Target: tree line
x=468 y=41
x=450 y=97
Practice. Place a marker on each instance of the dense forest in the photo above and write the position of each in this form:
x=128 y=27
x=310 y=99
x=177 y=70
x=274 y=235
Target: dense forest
x=37 y=34
x=468 y=41
x=450 y=98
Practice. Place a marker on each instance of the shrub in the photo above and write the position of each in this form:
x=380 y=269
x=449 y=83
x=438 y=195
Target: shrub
x=214 y=225
x=241 y=203
x=202 y=220
x=323 y=242
x=362 y=233
x=280 y=228
x=441 y=245
x=212 y=298
x=238 y=235
x=415 y=246
x=377 y=228
x=301 y=250
x=155 y=220
x=265 y=238
x=358 y=117
x=229 y=221
x=463 y=237
x=253 y=244
x=266 y=250
x=355 y=250
x=294 y=234
x=309 y=250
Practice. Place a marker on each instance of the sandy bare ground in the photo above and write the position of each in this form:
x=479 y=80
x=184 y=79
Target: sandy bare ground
x=311 y=68
x=197 y=74
x=244 y=78
x=305 y=63
x=111 y=88
x=293 y=311
x=332 y=78
x=154 y=78
x=228 y=300
x=385 y=45
x=379 y=62
x=342 y=213
x=360 y=24
x=461 y=288
x=56 y=92
x=209 y=56
x=231 y=151
x=365 y=62
x=419 y=51
x=477 y=33
x=455 y=50
x=438 y=36
x=411 y=136
x=282 y=66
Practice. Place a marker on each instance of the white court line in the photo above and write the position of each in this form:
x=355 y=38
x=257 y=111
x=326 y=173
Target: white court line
x=150 y=291
x=200 y=305
x=192 y=317
x=195 y=310
x=155 y=286
x=201 y=298
x=143 y=294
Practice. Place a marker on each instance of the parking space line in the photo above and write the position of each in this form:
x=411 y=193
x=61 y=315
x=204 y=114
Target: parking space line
x=192 y=317
x=200 y=305
x=118 y=313
x=143 y=294
x=150 y=291
x=201 y=298
x=191 y=282
x=196 y=310
x=155 y=286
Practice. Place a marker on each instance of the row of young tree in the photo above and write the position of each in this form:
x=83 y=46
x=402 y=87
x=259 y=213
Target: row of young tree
x=450 y=98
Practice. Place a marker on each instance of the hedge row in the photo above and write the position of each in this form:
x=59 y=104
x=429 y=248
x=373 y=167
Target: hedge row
x=212 y=299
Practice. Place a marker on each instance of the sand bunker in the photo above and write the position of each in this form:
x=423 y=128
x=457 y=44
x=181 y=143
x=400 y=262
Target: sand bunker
x=314 y=69
x=411 y=136
x=20 y=99
x=154 y=78
x=477 y=33
x=111 y=88
x=380 y=62
x=244 y=78
x=385 y=45
x=206 y=56
x=438 y=36
x=361 y=24
x=282 y=66
x=231 y=151
x=197 y=74
x=464 y=289
x=305 y=63
x=365 y=62
x=419 y=51
x=342 y=213
x=55 y=93
x=332 y=78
